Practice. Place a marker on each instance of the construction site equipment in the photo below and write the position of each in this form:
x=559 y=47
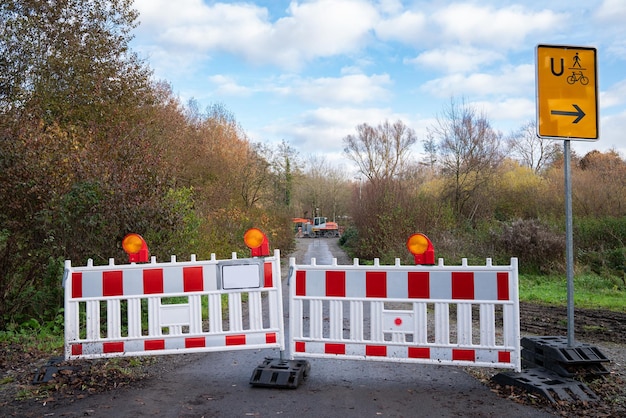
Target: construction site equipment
x=317 y=227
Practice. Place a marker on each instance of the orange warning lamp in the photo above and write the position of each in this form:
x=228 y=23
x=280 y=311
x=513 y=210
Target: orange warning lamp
x=136 y=248
x=422 y=249
x=257 y=242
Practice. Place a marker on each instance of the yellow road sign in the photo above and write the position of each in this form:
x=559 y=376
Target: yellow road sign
x=567 y=104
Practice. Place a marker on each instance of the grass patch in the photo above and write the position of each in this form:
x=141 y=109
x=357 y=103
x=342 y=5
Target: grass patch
x=590 y=291
x=31 y=335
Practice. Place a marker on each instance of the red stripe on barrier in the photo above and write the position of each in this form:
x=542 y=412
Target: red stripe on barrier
x=236 y=339
x=336 y=283
x=300 y=283
x=463 y=355
x=376 y=284
x=154 y=345
x=376 y=350
x=152 y=281
x=419 y=352
x=463 y=285
x=503 y=286
x=192 y=279
x=270 y=338
x=195 y=342
x=112 y=283
x=113 y=347
x=335 y=348
x=267 y=272
x=504 y=356
x=77 y=349
x=77 y=285
x=300 y=347
x=419 y=285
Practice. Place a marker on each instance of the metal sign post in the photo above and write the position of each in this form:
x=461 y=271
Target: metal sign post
x=569 y=243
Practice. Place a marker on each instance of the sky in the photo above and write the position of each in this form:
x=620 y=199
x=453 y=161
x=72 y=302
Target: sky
x=308 y=72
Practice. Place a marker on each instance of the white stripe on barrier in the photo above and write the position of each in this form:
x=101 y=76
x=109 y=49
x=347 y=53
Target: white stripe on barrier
x=175 y=307
x=456 y=315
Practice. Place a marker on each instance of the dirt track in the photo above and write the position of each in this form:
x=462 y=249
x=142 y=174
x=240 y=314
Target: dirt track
x=590 y=325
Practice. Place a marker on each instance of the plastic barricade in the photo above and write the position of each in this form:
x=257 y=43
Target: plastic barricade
x=453 y=315
x=173 y=307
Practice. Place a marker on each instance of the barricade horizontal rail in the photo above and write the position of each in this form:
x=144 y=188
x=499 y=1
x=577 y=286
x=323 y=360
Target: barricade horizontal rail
x=455 y=315
x=173 y=307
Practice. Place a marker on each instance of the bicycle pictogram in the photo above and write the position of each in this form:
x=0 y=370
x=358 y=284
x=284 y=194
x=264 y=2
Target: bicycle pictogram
x=577 y=76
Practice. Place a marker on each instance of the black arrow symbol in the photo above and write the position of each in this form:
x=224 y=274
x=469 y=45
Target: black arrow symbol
x=579 y=113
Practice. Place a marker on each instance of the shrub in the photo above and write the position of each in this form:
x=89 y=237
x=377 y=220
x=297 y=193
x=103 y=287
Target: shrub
x=601 y=245
x=539 y=248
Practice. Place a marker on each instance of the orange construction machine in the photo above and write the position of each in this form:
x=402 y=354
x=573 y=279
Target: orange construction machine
x=315 y=228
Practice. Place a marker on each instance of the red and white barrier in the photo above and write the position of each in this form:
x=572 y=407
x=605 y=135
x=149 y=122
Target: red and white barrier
x=173 y=307
x=455 y=315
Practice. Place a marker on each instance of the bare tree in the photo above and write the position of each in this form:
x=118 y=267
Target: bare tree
x=532 y=151
x=381 y=152
x=323 y=189
x=469 y=151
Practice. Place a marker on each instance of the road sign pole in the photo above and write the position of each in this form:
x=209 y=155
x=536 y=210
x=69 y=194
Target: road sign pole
x=569 y=242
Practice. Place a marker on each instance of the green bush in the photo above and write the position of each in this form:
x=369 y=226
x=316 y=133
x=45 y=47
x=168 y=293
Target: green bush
x=601 y=245
x=538 y=247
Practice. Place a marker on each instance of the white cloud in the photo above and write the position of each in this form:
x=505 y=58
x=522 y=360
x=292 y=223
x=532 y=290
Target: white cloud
x=321 y=28
x=508 y=114
x=227 y=86
x=510 y=80
x=470 y=24
x=457 y=59
x=613 y=96
x=611 y=11
x=322 y=130
x=390 y=6
x=612 y=130
x=408 y=27
x=354 y=89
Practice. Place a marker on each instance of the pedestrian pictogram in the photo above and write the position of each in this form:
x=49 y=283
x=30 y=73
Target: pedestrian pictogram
x=567 y=104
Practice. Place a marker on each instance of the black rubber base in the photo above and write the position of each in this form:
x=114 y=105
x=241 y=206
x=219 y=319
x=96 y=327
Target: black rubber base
x=547 y=384
x=282 y=374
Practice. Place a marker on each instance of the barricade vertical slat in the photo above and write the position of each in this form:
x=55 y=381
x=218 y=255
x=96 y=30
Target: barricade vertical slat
x=215 y=313
x=275 y=315
x=154 y=316
x=93 y=319
x=275 y=297
x=296 y=319
x=195 y=307
x=336 y=320
x=509 y=332
x=487 y=324
x=464 y=323
x=235 y=312
x=72 y=324
x=398 y=337
x=442 y=323
x=134 y=318
x=255 y=310
x=376 y=323
x=114 y=318
x=72 y=320
x=356 y=320
x=420 y=326
x=316 y=319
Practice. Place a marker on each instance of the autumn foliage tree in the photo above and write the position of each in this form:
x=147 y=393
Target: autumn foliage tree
x=91 y=148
